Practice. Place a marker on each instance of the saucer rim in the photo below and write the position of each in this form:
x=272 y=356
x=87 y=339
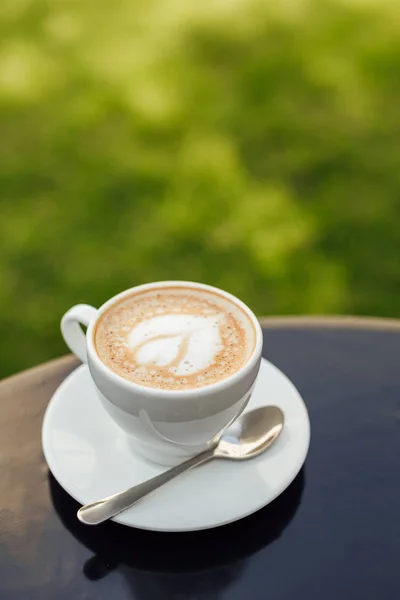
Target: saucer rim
x=121 y=519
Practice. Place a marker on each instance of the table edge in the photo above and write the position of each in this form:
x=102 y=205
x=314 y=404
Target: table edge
x=340 y=321
x=63 y=362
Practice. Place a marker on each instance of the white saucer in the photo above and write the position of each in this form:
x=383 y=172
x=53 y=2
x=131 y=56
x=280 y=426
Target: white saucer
x=90 y=457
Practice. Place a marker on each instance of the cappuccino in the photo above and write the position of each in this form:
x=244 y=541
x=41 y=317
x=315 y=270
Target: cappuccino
x=175 y=338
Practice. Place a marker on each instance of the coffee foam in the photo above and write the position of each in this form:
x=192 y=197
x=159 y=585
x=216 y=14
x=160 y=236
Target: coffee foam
x=174 y=338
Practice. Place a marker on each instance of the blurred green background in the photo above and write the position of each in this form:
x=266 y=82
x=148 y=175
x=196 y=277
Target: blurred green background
x=248 y=144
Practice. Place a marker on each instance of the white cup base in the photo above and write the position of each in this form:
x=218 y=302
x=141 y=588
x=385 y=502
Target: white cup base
x=168 y=457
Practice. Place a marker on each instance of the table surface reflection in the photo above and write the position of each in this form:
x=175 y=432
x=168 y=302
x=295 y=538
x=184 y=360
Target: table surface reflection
x=334 y=533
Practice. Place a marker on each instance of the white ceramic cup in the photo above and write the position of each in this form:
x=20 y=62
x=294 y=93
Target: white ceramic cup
x=165 y=426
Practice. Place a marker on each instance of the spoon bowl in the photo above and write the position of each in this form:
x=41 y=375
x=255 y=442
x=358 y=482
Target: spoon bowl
x=251 y=434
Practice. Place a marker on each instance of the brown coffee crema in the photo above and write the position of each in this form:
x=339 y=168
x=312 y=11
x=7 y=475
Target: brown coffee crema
x=174 y=338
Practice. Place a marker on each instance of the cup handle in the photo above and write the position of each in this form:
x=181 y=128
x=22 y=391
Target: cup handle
x=75 y=338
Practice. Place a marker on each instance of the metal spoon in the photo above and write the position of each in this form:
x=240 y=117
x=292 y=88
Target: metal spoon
x=248 y=436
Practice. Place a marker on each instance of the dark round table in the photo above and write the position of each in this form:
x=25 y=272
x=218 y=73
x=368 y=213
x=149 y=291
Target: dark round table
x=333 y=534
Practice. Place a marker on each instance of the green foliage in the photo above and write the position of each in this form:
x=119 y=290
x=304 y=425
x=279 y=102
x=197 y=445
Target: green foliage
x=248 y=144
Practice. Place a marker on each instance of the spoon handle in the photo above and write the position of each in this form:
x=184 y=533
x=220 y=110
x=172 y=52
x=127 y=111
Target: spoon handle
x=102 y=510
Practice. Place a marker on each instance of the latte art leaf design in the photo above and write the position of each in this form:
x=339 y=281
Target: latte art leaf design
x=184 y=343
x=162 y=350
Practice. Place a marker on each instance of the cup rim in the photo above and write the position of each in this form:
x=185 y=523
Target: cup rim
x=187 y=393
